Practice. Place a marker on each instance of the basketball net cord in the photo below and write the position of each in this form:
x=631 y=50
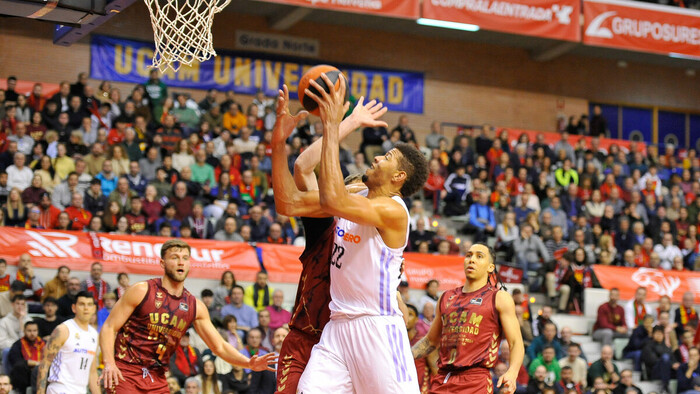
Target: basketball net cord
x=182 y=31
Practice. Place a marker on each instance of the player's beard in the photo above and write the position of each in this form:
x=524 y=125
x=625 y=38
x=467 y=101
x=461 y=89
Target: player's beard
x=174 y=276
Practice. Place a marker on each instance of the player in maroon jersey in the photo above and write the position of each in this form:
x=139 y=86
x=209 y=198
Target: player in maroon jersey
x=145 y=327
x=311 y=311
x=467 y=329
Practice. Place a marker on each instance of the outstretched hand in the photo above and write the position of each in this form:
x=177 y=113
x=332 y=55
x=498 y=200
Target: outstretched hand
x=286 y=122
x=367 y=115
x=262 y=363
x=507 y=382
x=331 y=104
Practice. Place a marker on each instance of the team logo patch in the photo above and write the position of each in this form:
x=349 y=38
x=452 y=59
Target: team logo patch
x=159 y=299
x=475 y=301
x=184 y=307
x=77 y=336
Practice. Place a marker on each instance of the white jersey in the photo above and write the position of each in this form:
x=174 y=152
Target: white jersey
x=364 y=271
x=70 y=369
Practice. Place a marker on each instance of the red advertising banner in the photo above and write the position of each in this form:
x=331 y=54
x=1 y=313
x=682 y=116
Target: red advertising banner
x=557 y=19
x=395 y=8
x=282 y=264
x=657 y=282
x=641 y=27
x=132 y=254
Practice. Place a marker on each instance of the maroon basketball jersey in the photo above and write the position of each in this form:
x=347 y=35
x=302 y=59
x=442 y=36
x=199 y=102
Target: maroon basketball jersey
x=471 y=329
x=153 y=331
x=311 y=311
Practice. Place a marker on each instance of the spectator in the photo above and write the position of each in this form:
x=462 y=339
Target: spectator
x=548 y=360
x=96 y=285
x=150 y=163
x=24 y=357
x=567 y=383
x=12 y=324
x=604 y=368
x=202 y=228
x=538 y=383
x=62 y=196
x=689 y=372
x=108 y=178
x=257 y=295
x=95 y=202
x=253 y=342
x=170 y=219
x=109 y=300
x=658 y=358
x=223 y=290
x=610 y=322
x=122 y=195
x=639 y=338
x=530 y=251
x=79 y=216
x=66 y=302
x=228 y=233
x=246 y=315
x=667 y=251
x=192 y=386
x=458 y=185
x=123 y=280
x=186 y=362
x=182 y=202
x=481 y=219
x=234 y=119
x=230 y=331
x=50 y=320
x=95 y=160
x=547 y=339
x=636 y=309
x=685 y=316
x=278 y=315
x=56 y=287
x=15 y=212
x=626 y=384
x=18 y=175
x=578 y=366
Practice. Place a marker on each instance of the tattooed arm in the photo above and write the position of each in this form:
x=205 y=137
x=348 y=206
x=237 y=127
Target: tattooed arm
x=57 y=339
x=431 y=340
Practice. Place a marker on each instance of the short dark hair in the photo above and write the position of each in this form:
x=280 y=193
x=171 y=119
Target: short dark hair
x=548 y=347
x=84 y=294
x=413 y=308
x=237 y=287
x=3 y=261
x=415 y=165
x=18 y=286
x=492 y=252
x=49 y=300
x=568 y=368
x=207 y=293
x=18 y=297
x=29 y=323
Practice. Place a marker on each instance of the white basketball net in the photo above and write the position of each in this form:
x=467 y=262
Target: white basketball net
x=182 y=31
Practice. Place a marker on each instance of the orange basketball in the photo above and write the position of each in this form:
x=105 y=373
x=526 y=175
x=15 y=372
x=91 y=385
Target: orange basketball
x=315 y=73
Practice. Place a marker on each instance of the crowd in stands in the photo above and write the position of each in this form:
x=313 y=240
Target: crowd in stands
x=152 y=162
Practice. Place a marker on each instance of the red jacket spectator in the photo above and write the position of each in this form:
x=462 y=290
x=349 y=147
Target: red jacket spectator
x=610 y=317
x=49 y=217
x=80 y=217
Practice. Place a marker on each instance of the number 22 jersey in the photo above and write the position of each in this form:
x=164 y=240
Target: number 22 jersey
x=364 y=271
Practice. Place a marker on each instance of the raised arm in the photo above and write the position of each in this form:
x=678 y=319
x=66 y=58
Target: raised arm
x=223 y=349
x=117 y=317
x=387 y=215
x=57 y=339
x=364 y=115
x=289 y=200
x=506 y=312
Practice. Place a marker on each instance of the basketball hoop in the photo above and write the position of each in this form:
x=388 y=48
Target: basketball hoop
x=182 y=31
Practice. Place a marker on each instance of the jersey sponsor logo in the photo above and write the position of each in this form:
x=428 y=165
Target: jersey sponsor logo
x=475 y=301
x=184 y=307
x=159 y=299
x=345 y=236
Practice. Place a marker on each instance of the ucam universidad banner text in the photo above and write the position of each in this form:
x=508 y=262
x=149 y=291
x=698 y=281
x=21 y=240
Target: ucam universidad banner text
x=121 y=60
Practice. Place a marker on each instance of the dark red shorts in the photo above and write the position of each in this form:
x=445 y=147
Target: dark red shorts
x=138 y=380
x=471 y=381
x=294 y=355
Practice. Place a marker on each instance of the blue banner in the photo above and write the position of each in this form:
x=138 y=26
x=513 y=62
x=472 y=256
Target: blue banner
x=121 y=60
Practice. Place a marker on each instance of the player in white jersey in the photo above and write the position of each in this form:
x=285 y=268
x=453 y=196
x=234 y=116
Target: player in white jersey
x=69 y=365
x=365 y=347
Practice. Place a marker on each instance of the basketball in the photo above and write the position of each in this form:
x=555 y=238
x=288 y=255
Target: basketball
x=315 y=74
